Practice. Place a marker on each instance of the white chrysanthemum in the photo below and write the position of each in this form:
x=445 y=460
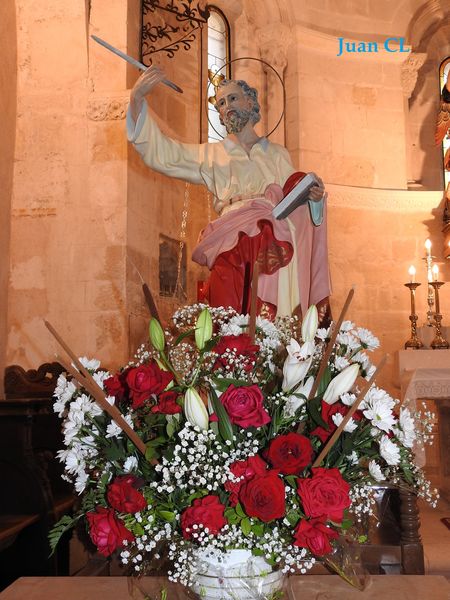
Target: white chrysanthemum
x=349 y=427
x=100 y=377
x=389 y=451
x=375 y=471
x=64 y=390
x=349 y=340
x=340 y=363
x=347 y=326
x=73 y=459
x=80 y=482
x=322 y=333
x=353 y=458
x=91 y=364
x=348 y=399
x=59 y=407
x=130 y=464
x=70 y=429
x=113 y=430
x=405 y=431
x=60 y=385
x=368 y=340
x=377 y=408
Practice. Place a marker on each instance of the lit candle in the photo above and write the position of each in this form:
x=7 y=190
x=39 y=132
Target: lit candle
x=428 y=246
x=435 y=272
x=412 y=274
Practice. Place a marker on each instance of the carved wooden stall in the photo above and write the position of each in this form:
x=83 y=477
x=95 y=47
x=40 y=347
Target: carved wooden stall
x=394 y=542
x=33 y=495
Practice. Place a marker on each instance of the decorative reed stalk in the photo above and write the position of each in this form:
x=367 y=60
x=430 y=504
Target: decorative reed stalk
x=254 y=297
x=348 y=416
x=86 y=380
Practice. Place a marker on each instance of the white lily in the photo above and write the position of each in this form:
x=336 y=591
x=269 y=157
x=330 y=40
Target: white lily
x=195 y=410
x=293 y=403
x=341 y=384
x=310 y=324
x=297 y=363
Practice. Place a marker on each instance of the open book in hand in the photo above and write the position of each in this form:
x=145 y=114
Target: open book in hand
x=297 y=189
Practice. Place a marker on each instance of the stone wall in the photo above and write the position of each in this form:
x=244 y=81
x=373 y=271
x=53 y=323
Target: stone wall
x=8 y=85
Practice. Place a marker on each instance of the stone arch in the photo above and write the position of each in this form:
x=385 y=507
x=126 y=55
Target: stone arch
x=428 y=32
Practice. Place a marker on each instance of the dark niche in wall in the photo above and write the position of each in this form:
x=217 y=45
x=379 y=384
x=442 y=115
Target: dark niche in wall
x=172 y=268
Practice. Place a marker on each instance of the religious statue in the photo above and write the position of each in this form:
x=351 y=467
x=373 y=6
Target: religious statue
x=442 y=127
x=245 y=174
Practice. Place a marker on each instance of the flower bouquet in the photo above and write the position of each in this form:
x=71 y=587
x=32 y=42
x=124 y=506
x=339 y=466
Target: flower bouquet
x=232 y=459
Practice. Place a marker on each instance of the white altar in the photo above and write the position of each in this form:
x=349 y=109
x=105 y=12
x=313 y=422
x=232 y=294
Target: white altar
x=425 y=378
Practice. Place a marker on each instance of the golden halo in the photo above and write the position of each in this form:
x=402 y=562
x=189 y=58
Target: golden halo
x=230 y=62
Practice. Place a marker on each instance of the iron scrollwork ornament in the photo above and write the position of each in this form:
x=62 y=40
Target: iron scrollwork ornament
x=169 y=25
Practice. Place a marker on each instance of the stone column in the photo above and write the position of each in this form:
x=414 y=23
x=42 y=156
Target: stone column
x=274 y=42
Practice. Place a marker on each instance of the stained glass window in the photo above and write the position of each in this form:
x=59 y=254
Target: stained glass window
x=218 y=56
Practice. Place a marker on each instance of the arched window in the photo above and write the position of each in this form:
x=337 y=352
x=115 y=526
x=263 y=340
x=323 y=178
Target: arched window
x=443 y=74
x=218 y=56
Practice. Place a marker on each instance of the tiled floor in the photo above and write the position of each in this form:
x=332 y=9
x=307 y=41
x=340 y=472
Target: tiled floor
x=435 y=538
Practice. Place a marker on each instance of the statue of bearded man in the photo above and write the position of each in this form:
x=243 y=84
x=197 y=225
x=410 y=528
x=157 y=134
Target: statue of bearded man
x=245 y=174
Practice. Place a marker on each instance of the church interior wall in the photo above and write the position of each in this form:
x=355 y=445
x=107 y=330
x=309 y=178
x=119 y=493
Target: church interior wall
x=8 y=85
x=83 y=202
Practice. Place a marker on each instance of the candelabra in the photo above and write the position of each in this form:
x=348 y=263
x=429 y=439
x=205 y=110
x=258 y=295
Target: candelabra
x=413 y=341
x=439 y=342
x=430 y=298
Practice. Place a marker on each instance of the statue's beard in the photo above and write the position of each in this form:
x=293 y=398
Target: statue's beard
x=236 y=121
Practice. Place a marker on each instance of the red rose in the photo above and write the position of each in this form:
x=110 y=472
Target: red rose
x=116 y=386
x=290 y=453
x=315 y=536
x=245 y=469
x=167 y=404
x=328 y=410
x=146 y=380
x=123 y=495
x=107 y=531
x=325 y=494
x=263 y=496
x=240 y=345
x=206 y=511
x=244 y=406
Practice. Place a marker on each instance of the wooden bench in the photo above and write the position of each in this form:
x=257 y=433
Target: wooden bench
x=33 y=496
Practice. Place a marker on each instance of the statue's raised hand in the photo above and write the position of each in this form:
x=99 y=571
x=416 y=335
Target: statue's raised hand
x=143 y=86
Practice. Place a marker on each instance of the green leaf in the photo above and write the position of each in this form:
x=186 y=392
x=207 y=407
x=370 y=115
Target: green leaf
x=240 y=511
x=203 y=329
x=326 y=378
x=171 y=426
x=293 y=517
x=314 y=408
x=150 y=453
x=157 y=335
x=346 y=524
x=246 y=526
x=181 y=337
x=224 y=423
x=58 y=530
x=291 y=480
x=222 y=384
x=258 y=529
x=231 y=516
x=167 y=515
